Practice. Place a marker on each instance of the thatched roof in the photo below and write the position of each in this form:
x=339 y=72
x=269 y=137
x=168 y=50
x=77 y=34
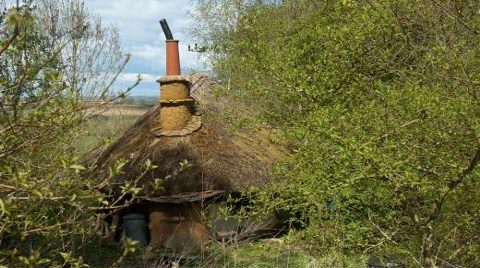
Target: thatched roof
x=220 y=159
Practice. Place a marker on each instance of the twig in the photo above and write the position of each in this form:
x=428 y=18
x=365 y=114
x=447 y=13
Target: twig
x=8 y=187
x=384 y=234
x=438 y=204
x=397 y=128
x=10 y=41
x=468 y=27
x=49 y=227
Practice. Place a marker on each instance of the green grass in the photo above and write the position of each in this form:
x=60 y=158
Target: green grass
x=259 y=254
x=275 y=253
x=102 y=130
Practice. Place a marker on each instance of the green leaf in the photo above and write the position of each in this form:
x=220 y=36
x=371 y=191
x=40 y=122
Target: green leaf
x=2 y=208
x=77 y=167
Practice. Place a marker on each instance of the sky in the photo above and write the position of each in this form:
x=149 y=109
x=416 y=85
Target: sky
x=142 y=37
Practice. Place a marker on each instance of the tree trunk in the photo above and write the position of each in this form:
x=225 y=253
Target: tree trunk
x=428 y=258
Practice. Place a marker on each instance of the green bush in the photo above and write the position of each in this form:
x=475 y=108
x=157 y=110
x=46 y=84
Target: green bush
x=379 y=99
x=54 y=55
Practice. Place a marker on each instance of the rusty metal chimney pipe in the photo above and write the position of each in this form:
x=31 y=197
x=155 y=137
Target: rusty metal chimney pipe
x=166 y=29
x=172 y=54
x=173 y=58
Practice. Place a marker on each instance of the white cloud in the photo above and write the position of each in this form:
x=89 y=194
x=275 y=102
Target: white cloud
x=132 y=78
x=148 y=52
x=141 y=33
x=142 y=36
x=138 y=20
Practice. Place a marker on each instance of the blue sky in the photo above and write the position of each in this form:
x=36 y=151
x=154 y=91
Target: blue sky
x=142 y=37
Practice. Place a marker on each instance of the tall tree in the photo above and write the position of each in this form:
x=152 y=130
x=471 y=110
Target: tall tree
x=54 y=55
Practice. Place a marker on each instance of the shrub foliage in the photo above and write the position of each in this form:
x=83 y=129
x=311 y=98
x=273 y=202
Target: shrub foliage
x=54 y=55
x=380 y=101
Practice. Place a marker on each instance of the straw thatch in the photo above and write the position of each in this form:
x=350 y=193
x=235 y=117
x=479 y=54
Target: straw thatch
x=220 y=159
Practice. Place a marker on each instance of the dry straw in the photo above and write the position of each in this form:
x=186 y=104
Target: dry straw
x=220 y=159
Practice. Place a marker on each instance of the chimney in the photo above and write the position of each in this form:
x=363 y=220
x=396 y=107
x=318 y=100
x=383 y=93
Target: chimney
x=177 y=112
x=173 y=57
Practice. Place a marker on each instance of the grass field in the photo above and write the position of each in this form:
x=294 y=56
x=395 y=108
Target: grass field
x=120 y=109
x=105 y=125
x=266 y=253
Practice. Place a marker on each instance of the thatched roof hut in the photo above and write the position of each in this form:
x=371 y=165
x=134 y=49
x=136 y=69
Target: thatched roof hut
x=218 y=158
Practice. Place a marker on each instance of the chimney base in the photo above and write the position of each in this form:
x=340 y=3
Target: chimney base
x=177 y=113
